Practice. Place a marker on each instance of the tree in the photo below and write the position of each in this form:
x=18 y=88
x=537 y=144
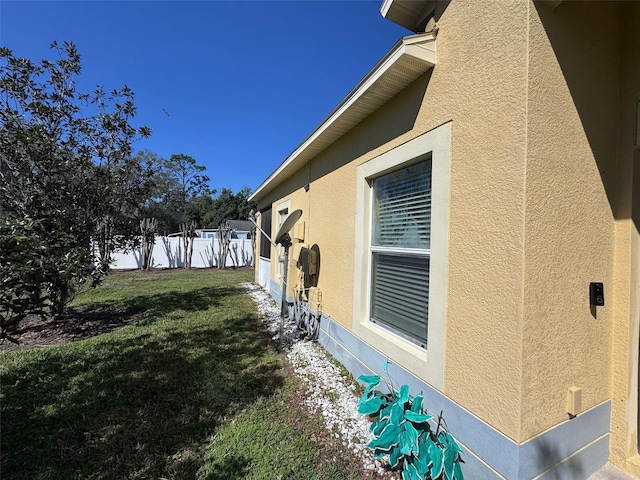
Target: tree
x=187 y=178
x=188 y=231
x=66 y=168
x=21 y=267
x=244 y=205
x=198 y=210
x=181 y=195
x=148 y=228
x=126 y=187
x=224 y=208
x=159 y=204
x=224 y=241
x=179 y=183
x=228 y=206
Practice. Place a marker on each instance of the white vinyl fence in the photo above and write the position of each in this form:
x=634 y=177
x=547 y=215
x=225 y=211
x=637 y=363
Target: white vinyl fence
x=168 y=253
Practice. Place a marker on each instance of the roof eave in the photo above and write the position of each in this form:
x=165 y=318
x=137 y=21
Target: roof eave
x=411 y=14
x=409 y=59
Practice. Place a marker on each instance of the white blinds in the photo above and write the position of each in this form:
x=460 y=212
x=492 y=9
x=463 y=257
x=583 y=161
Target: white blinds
x=400 y=250
x=402 y=208
x=401 y=293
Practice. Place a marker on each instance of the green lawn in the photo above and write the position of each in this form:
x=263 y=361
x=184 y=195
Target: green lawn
x=193 y=389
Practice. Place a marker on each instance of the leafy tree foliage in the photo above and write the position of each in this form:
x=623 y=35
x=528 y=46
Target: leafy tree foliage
x=181 y=195
x=200 y=210
x=179 y=182
x=125 y=188
x=21 y=264
x=185 y=178
x=226 y=206
x=66 y=177
x=182 y=200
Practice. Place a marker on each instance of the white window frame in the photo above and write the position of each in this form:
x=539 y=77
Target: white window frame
x=280 y=217
x=428 y=363
x=399 y=251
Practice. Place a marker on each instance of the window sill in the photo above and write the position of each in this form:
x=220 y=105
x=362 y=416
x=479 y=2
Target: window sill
x=410 y=356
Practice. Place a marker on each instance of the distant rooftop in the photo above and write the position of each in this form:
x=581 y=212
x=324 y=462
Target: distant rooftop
x=239 y=225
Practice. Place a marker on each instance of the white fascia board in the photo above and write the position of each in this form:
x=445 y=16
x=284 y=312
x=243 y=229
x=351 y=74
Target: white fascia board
x=421 y=48
x=384 y=8
x=410 y=14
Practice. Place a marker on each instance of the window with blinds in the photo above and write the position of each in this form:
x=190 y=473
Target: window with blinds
x=265 y=225
x=400 y=250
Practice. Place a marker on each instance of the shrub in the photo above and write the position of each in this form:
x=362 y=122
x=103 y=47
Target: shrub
x=403 y=433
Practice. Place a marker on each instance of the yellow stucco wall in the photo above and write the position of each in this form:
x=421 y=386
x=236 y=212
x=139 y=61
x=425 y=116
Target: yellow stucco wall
x=295 y=198
x=540 y=183
x=571 y=155
x=480 y=82
x=291 y=191
x=582 y=212
x=487 y=167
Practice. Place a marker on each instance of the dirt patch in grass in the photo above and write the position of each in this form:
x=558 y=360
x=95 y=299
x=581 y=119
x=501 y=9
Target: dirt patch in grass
x=35 y=331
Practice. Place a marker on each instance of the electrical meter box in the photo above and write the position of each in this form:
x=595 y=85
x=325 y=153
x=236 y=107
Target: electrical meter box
x=299 y=251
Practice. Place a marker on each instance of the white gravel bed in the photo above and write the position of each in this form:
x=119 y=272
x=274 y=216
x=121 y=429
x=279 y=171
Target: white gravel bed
x=329 y=391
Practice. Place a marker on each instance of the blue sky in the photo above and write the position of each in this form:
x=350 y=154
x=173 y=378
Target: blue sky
x=243 y=82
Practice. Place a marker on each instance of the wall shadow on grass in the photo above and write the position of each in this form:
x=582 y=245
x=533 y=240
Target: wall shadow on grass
x=136 y=405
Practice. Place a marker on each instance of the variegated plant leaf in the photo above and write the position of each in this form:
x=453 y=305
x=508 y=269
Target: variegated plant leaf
x=435 y=457
x=416 y=404
x=408 y=440
x=417 y=417
x=410 y=472
x=389 y=438
x=370 y=405
x=451 y=454
x=395 y=455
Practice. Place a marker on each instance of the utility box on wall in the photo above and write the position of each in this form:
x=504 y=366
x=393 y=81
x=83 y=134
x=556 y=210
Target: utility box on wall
x=315 y=300
x=298 y=231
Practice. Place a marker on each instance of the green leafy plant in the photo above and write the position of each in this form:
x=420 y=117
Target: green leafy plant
x=65 y=167
x=21 y=282
x=403 y=433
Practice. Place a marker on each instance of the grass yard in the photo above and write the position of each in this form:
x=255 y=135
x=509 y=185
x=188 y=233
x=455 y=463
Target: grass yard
x=191 y=389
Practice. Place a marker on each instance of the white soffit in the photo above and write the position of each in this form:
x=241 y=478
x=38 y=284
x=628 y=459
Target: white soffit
x=410 y=58
x=411 y=14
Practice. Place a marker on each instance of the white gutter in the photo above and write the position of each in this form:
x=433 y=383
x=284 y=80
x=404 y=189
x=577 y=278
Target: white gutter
x=410 y=58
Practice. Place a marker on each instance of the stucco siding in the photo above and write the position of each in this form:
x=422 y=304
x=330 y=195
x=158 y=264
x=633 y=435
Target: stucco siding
x=329 y=205
x=571 y=155
x=543 y=199
x=332 y=207
x=332 y=193
x=480 y=83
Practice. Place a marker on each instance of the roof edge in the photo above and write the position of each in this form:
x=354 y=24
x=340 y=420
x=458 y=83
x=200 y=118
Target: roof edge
x=421 y=47
x=410 y=14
